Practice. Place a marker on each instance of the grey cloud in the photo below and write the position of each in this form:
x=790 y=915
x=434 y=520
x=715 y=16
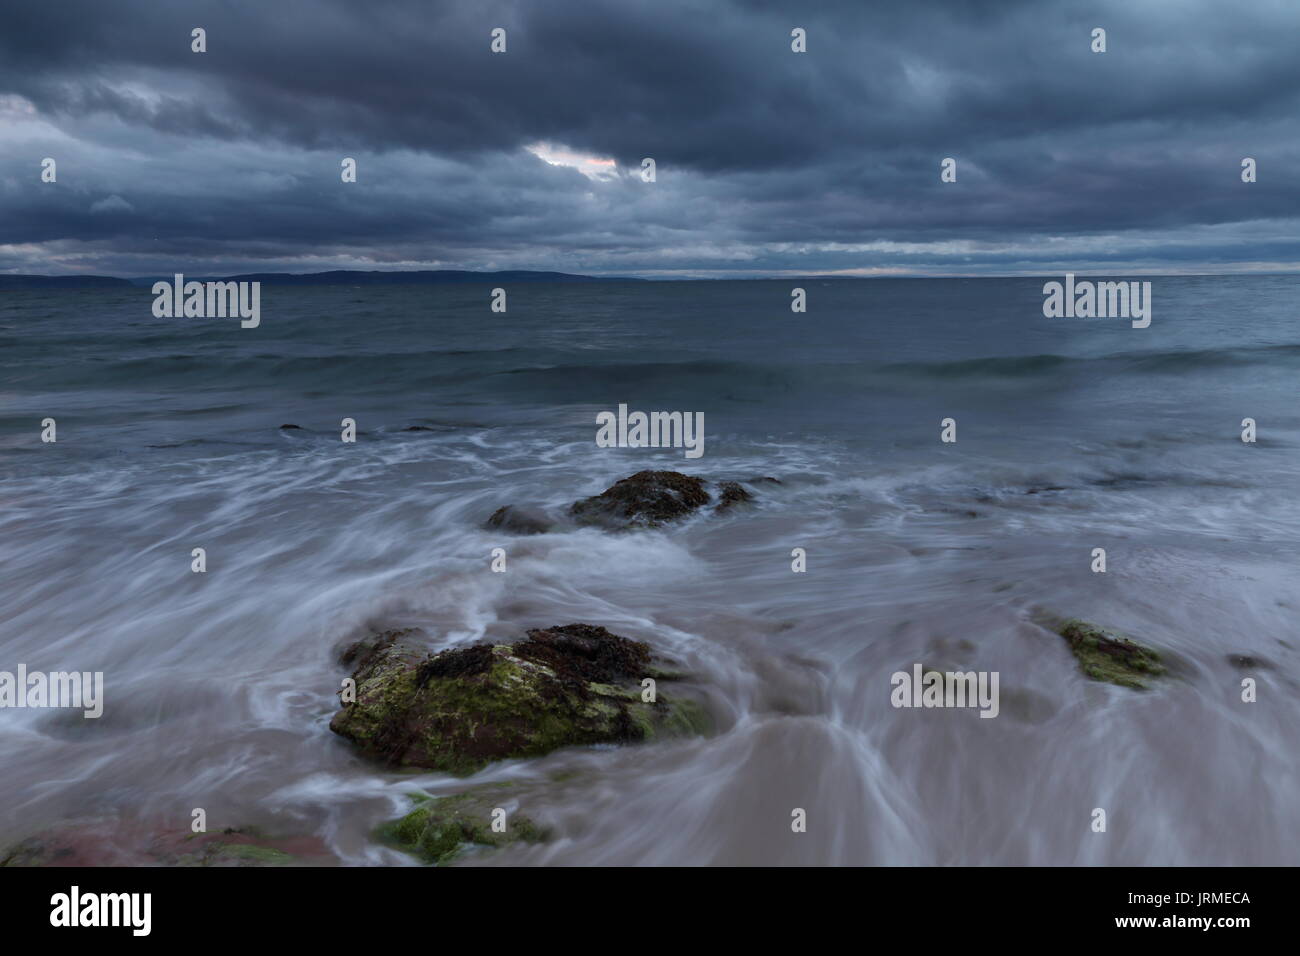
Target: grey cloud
x=767 y=160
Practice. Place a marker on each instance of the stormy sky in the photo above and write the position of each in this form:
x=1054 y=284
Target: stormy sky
x=768 y=162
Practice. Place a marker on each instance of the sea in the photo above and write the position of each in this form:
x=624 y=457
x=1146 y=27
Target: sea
x=1071 y=435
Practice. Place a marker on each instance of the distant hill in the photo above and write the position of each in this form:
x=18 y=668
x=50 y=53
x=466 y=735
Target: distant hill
x=337 y=277
x=347 y=277
x=61 y=282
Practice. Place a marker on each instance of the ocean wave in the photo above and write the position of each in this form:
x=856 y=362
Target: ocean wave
x=498 y=370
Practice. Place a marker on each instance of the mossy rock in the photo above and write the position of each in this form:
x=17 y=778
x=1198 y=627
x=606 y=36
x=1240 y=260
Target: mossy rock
x=461 y=709
x=238 y=854
x=233 y=846
x=1107 y=656
x=440 y=829
x=34 y=851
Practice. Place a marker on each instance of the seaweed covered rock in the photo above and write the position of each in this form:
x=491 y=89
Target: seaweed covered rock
x=234 y=847
x=651 y=498
x=647 y=499
x=730 y=494
x=460 y=709
x=440 y=829
x=1106 y=656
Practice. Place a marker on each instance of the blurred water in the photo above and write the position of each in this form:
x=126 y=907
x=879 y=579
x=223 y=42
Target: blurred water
x=1073 y=434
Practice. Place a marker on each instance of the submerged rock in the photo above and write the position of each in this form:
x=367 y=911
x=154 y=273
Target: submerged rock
x=647 y=499
x=520 y=520
x=1106 y=656
x=1247 y=662
x=461 y=709
x=440 y=829
x=730 y=494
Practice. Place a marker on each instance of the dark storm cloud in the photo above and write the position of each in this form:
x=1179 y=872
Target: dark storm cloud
x=768 y=161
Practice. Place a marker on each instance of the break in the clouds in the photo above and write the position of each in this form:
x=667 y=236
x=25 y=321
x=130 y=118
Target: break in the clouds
x=769 y=162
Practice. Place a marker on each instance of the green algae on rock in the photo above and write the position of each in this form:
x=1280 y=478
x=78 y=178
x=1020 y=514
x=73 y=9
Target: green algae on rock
x=440 y=829
x=461 y=709
x=1107 y=656
x=239 y=854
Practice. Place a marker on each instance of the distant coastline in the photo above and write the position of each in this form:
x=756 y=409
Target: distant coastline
x=464 y=277
x=335 y=277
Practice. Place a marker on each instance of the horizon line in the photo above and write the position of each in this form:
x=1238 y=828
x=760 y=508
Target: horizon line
x=696 y=277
